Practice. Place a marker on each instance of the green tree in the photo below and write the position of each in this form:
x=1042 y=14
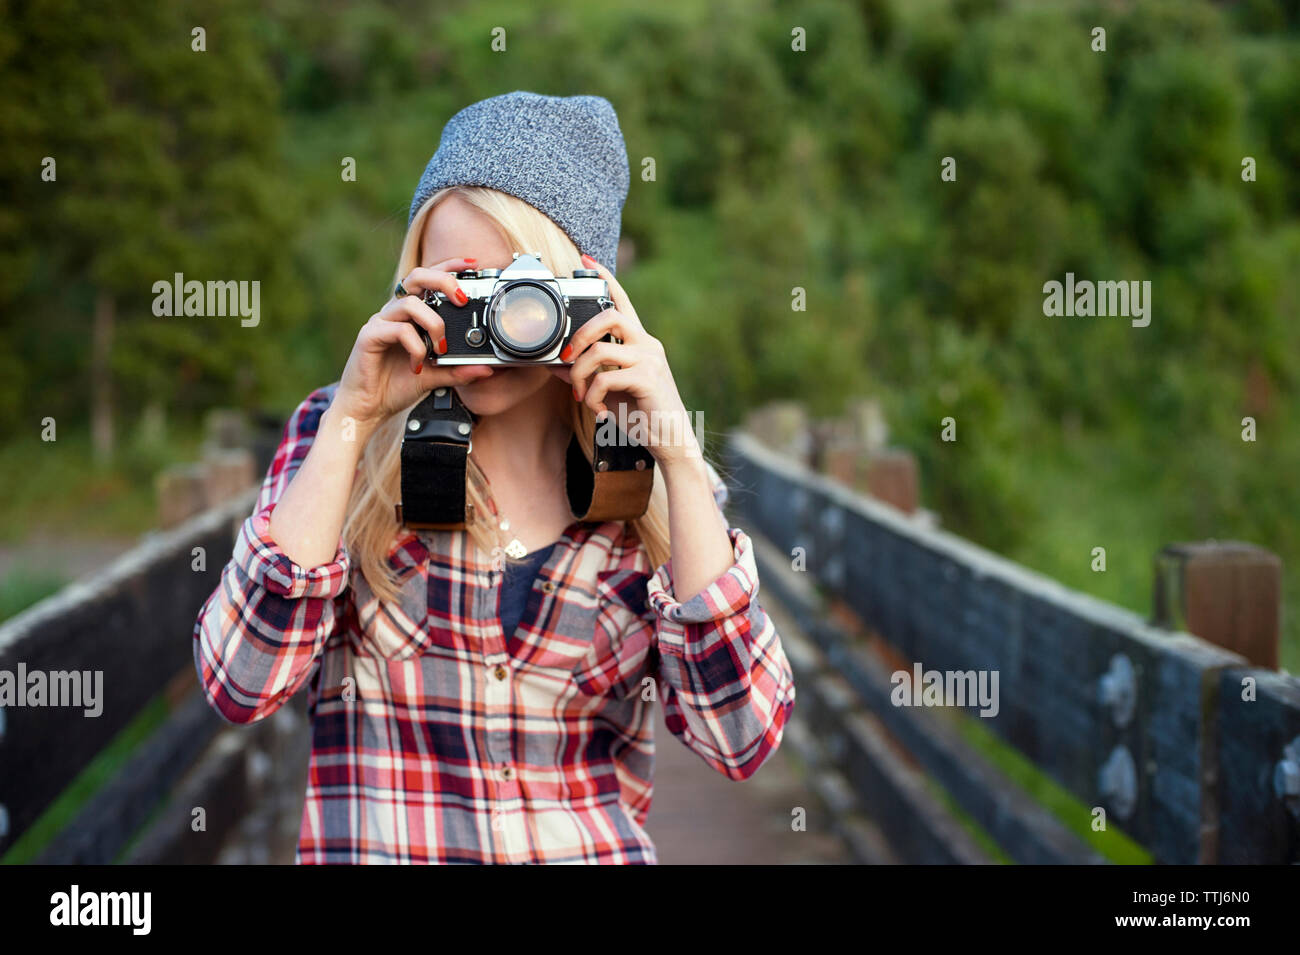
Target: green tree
x=166 y=162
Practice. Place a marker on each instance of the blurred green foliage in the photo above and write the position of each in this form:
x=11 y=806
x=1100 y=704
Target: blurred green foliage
x=774 y=169
x=21 y=587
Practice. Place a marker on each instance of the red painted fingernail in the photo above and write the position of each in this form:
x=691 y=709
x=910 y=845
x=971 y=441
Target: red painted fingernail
x=461 y=297
x=567 y=353
x=575 y=394
x=588 y=261
x=468 y=259
x=442 y=345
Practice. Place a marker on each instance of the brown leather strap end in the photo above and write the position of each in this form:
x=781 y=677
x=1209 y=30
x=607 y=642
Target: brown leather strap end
x=619 y=496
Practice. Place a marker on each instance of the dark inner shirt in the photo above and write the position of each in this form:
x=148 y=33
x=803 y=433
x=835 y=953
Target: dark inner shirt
x=516 y=584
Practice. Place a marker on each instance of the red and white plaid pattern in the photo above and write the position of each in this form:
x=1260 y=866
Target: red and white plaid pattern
x=436 y=737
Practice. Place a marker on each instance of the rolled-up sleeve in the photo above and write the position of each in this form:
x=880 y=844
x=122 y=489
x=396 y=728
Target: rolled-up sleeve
x=263 y=562
x=262 y=630
x=727 y=686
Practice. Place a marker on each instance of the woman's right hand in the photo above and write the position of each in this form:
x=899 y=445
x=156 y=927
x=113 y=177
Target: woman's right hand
x=387 y=370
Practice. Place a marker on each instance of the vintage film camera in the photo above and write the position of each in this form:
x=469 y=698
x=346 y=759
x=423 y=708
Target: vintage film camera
x=521 y=315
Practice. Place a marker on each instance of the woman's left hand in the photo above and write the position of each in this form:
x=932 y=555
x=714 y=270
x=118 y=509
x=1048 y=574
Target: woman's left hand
x=639 y=379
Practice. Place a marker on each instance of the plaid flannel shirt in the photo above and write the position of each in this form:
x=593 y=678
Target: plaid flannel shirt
x=438 y=738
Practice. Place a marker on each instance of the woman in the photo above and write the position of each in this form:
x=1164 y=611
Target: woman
x=467 y=708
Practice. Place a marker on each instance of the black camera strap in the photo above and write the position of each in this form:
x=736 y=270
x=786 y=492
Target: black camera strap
x=615 y=486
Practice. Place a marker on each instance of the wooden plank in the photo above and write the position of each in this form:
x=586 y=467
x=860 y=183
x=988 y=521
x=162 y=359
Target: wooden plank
x=250 y=783
x=863 y=838
x=860 y=834
x=892 y=792
x=895 y=799
x=1256 y=824
x=219 y=783
x=132 y=623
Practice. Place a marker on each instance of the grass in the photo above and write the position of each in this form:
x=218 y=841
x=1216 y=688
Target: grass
x=1100 y=495
x=21 y=587
x=97 y=773
x=1112 y=844
x=985 y=841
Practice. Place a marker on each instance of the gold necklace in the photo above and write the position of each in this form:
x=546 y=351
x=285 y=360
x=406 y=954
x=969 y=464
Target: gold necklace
x=515 y=549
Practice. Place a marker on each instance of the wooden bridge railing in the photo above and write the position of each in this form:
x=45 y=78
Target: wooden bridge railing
x=1185 y=746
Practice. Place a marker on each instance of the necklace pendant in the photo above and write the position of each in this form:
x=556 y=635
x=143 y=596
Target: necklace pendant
x=515 y=549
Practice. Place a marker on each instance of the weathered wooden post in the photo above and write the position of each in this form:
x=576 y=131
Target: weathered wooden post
x=853 y=449
x=891 y=476
x=227 y=428
x=1226 y=592
x=227 y=469
x=783 y=426
x=182 y=493
x=228 y=474
x=839 y=453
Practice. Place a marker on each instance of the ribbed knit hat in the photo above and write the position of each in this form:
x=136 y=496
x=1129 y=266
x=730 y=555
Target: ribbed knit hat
x=563 y=155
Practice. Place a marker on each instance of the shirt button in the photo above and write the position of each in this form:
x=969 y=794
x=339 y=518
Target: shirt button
x=548 y=587
x=499 y=673
x=507 y=773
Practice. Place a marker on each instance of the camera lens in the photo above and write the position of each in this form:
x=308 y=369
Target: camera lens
x=525 y=320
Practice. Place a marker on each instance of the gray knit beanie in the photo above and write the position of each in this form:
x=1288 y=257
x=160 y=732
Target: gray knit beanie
x=563 y=155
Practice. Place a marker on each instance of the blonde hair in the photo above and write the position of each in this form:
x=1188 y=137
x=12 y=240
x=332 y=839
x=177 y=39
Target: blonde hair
x=371 y=527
